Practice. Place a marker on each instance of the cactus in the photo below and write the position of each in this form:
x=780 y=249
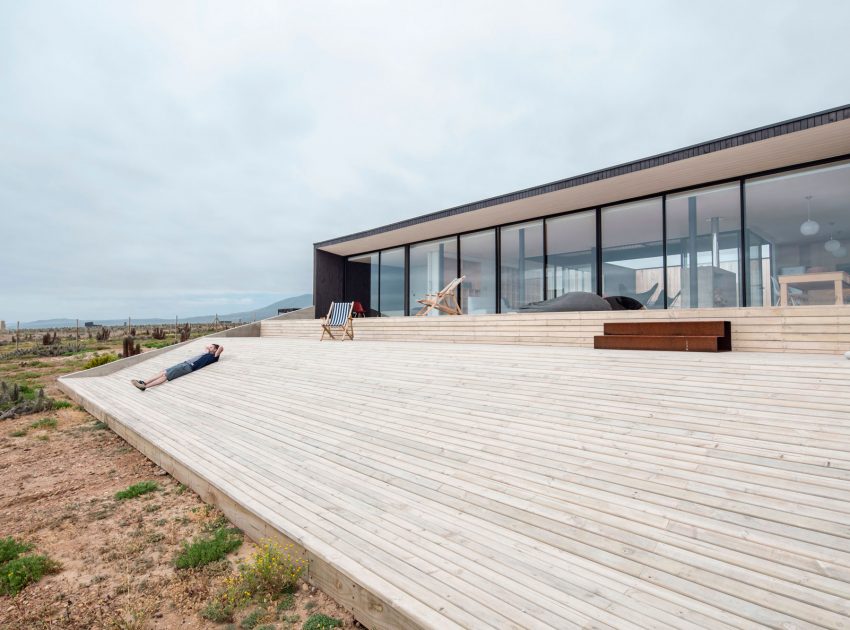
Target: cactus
x=103 y=334
x=185 y=331
x=130 y=347
x=158 y=333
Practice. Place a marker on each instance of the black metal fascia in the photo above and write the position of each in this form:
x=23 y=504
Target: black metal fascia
x=747 y=137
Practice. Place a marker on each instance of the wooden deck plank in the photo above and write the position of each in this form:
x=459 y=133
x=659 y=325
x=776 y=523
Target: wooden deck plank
x=525 y=486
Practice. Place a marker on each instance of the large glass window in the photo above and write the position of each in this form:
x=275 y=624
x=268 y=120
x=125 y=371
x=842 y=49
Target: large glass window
x=432 y=266
x=478 y=264
x=522 y=265
x=361 y=282
x=632 y=253
x=798 y=236
x=703 y=247
x=571 y=253
x=392 y=282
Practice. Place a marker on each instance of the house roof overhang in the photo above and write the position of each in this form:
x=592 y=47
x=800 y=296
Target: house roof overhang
x=810 y=138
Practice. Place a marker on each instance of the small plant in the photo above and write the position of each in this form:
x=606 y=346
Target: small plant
x=309 y=606
x=252 y=620
x=44 y=423
x=18 y=433
x=218 y=612
x=18 y=571
x=206 y=549
x=136 y=490
x=62 y=404
x=99 y=359
x=11 y=549
x=321 y=622
x=270 y=572
x=287 y=602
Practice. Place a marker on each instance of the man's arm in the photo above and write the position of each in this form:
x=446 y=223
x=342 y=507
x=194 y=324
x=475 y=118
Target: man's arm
x=219 y=351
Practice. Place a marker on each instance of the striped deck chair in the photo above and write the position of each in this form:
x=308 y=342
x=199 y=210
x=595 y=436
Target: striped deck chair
x=444 y=301
x=338 y=320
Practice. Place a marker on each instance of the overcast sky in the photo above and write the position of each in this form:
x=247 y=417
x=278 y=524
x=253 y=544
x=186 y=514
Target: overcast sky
x=176 y=158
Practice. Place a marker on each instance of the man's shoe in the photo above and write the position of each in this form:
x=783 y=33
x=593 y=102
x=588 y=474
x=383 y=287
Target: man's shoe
x=139 y=384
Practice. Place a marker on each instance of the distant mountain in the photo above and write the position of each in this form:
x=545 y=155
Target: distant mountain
x=299 y=301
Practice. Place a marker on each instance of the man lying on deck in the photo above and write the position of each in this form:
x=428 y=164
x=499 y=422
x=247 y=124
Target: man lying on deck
x=181 y=369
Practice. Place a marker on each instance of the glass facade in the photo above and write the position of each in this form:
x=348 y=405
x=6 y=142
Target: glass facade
x=685 y=245
x=798 y=236
x=704 y=247
x=478 y=264
x=392 y=282
x=521 y=251
x=361 y=282
x=632 y=252
x=571 y=254
x=432 y=266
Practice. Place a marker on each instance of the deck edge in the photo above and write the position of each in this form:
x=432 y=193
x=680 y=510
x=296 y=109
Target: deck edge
x=369 y=609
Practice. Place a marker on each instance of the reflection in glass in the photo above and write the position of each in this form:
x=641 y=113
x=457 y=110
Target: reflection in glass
x=798 y=229
x=432 y=266
x=703 y=245
x=632 y=260
x=571 y=253
x=392 y=282
x=361 y=282
x=522 y=265
x=478 y=264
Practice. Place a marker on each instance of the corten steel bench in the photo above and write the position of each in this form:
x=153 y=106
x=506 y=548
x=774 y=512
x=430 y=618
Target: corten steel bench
x=710 y=336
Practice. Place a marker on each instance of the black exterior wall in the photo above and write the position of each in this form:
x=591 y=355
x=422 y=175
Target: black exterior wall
x=328 y=280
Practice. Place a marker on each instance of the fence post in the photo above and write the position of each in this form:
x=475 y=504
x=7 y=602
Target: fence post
x=78 y=335
x=18 y=336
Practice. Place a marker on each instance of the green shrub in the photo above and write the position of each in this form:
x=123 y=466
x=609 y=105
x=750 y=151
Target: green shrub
x=44 y=423
x=18 y=433
x=136 y=490
x=207 y=549
x=62 y=404
x=321 y=622
x=287 y=602
x=17 y=571
x=158 y=344
x=11 y=549
x=218 y=612
x=252 y=620
x=99 y=359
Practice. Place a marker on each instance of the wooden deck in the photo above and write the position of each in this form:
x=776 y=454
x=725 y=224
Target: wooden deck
x=513 y=486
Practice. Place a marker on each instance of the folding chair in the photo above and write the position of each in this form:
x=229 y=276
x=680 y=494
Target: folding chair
x=338 y=320
x=444 y=301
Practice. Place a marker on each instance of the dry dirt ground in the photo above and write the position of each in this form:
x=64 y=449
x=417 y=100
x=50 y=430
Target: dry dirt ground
x=57 y=490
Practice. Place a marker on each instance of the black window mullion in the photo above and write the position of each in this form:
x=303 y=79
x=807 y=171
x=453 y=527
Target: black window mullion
x=742 y=258
x=664 y=249
x=599 y=252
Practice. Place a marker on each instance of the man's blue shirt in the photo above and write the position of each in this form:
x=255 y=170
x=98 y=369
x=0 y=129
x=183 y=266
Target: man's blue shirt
x=202 y=360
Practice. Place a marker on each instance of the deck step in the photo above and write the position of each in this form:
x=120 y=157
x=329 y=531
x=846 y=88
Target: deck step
x=698 y=336
x=682 y=343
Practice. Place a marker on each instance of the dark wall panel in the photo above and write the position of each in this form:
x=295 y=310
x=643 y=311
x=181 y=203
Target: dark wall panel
x=328 y=280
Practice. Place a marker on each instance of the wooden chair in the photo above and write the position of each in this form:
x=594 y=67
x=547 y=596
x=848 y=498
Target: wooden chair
x=444 y=301
x=338 y=320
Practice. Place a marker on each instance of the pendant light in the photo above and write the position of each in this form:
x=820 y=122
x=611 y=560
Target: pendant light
x=809 y=227
x=832 y=245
